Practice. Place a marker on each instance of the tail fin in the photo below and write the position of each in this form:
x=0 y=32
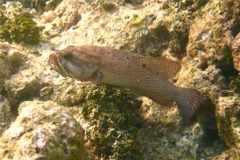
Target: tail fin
x=188 y=102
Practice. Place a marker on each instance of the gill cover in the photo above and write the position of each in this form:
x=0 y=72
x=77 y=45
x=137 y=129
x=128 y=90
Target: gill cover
x=78 y=64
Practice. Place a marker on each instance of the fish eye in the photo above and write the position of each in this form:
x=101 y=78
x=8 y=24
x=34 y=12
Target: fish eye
x=67 y=55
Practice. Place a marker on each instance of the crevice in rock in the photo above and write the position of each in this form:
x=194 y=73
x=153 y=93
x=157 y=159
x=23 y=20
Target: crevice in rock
x=204 y=66
x=226 y=64
x=26 y=95
x=235 y=29
x=210 y=139
x=157 y=41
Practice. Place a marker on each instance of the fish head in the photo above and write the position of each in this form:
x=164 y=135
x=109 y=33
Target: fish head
x=75 y=63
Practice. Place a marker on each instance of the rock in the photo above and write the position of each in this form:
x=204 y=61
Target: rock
x=210 y=64
x=187 y=32
x=51 y=5
x=68 y=14
x=36 y=4
x=16 y=60
x=22 y=86
x=228 y=120
x=4 y=72
x=236 y=52
x=165 y=134
x=202 y=35
x=43 y=130
x=232 y=153
x=13 y=8
x=48 y=16
x=6 y=116
x=65 y=16
x=11 y=61
x=27 y=75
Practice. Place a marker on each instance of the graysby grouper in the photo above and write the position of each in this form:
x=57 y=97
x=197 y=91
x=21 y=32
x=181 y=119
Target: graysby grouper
x=149 y=76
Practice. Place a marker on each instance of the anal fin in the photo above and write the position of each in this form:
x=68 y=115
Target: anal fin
x=160 y=99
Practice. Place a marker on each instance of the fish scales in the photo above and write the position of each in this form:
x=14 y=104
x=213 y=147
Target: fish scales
x=163 y=66
x=143 y=74
x=146 y=75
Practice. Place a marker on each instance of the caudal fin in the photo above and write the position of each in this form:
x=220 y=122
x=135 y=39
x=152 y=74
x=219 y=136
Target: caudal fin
x=188 y=102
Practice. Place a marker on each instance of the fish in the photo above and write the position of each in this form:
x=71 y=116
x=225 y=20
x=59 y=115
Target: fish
x=149 y=76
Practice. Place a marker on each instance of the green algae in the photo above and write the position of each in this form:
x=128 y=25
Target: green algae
x=6 y=117
x=137 y=20
x=231 y=154
x=20 y=29
x=114 y=117
x=107 y=5
x=235 y=84
x=52 y=4
x=228 y=120
x=133 y=2
x=39 y=5
x=200 y=3
x=54 y=150
x=69 y=93
x=3 y=18
x=4 y=72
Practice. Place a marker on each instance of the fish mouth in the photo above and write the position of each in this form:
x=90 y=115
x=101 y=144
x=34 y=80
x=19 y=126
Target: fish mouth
x=55 y=64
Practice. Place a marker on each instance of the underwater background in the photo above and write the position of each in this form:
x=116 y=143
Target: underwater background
x=46 y=116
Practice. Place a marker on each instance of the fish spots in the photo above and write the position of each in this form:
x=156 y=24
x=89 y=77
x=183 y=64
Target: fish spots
x=144 y=65
x=127 y=58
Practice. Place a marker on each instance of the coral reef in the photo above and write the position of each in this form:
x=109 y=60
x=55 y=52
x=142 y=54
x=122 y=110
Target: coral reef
x=202 y=35
x=22 y=86
x=114 y=119
x=43 y=130
x=10 y=62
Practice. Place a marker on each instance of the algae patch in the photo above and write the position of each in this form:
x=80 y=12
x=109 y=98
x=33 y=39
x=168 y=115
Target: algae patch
x=20 y=29
x=235 y=84
x=107 y=5
x=114 y=118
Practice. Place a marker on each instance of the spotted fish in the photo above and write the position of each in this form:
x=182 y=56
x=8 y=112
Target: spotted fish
x=146 y=75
